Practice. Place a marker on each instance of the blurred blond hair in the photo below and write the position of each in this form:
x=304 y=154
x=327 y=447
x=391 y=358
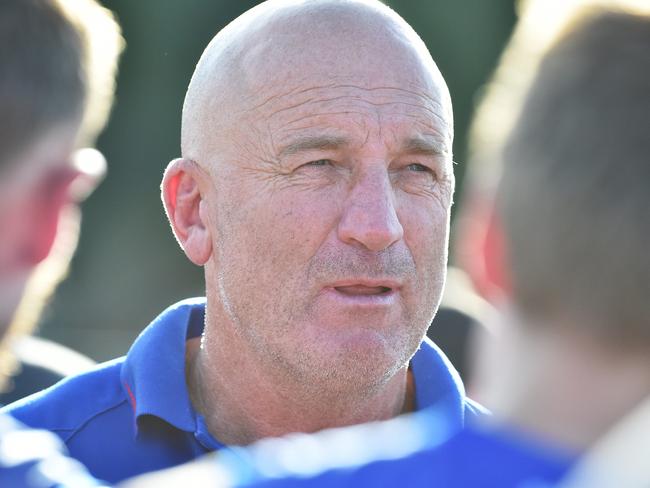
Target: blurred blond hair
x=58 y=68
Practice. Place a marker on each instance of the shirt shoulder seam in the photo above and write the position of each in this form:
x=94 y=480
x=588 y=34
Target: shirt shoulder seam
x=73 y=431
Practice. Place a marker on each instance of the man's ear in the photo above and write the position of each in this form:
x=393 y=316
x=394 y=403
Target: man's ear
x=185 y=206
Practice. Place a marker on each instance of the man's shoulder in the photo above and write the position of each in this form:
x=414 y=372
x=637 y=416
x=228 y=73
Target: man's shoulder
x=73 y=402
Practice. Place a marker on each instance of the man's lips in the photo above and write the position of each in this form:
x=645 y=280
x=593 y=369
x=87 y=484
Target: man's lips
x=365 y=293
x=361 y=287
x=362 y=290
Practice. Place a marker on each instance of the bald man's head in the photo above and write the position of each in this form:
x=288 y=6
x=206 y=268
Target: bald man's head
x=282 y=47
x=317 y=151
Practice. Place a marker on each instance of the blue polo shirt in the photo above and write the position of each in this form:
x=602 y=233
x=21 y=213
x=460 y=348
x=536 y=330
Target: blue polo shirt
x=133 y=415
x=418 y=451
x=32 y=458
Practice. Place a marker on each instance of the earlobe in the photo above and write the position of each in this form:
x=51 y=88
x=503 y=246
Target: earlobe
x=186 y=208
x=496 y=257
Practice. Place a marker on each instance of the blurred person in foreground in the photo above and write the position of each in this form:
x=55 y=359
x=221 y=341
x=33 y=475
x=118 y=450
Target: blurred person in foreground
x=57 y=66
x=314 y=188
x=570 y=382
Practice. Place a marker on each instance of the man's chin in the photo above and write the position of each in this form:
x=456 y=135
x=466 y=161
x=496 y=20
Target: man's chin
x=361 y=359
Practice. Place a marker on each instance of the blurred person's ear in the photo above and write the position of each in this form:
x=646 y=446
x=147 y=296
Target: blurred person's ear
x=58 y=188
x=34 y=203
x=481 y=249
x=186 y=209
x=43 y=210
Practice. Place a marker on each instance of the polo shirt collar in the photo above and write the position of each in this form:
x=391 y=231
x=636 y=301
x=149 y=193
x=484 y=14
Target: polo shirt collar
x=437 y=383
x=153 y=374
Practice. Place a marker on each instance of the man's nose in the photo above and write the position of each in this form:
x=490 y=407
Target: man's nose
x=369 y=218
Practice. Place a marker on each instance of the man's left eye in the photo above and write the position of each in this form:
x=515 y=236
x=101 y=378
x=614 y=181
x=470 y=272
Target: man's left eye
x=418 y=167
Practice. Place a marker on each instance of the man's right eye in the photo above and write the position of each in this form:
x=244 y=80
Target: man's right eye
x=319 y=162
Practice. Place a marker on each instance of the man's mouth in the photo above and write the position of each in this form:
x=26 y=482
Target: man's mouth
x=369 y=293
x=363 y=290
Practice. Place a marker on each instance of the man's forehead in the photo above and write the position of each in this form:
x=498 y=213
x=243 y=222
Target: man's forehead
x=424 y=144
x=346 y=115
x=282 y=59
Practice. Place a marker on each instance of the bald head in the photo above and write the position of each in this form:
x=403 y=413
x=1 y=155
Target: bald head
x=284 y=48
x=316 y=134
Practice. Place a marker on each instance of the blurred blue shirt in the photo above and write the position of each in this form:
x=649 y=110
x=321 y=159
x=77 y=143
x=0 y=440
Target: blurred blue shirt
x=32 y=458
x=133 y=415
x=417 y=451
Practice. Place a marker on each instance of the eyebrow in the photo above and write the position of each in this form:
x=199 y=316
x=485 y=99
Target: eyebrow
x=310 y=143
x=426 y=146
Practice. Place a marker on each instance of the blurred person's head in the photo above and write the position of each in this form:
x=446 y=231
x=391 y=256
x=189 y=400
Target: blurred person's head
x=315 y=189
x=58 y=61
x=569 y=227
x=573 y=196
x=539 y=25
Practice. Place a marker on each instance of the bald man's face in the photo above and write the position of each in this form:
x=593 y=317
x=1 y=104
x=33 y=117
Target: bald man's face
x=331 y=213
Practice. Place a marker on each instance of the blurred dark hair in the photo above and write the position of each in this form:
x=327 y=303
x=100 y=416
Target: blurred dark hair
x=57 y=64
x=574 y=194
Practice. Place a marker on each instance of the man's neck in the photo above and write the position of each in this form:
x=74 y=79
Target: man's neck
x=569 y=388
x=243 y=401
